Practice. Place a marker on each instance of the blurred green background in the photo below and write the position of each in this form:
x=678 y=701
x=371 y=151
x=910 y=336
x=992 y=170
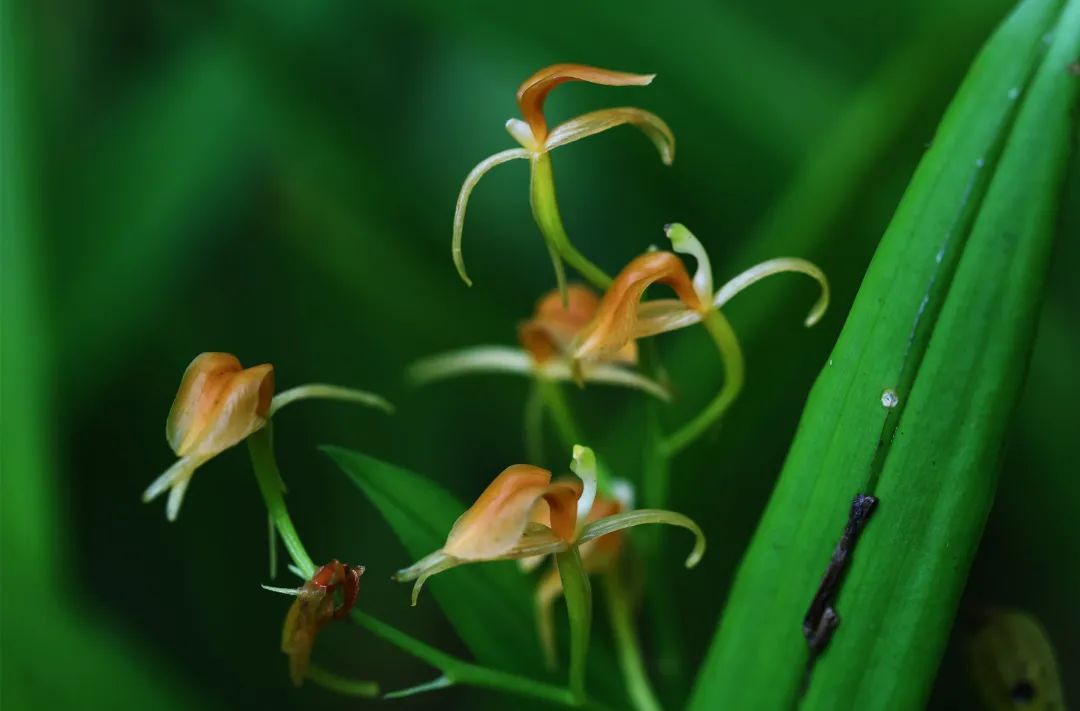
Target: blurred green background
x=277 y=180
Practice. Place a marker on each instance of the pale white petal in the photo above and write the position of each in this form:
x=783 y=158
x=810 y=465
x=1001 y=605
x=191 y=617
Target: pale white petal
x=463 y=199
x=605 y=374
x=618 y=522
x=663 y=315
x=777 y=266
x=175 y=480
x=583 y=465
x=521 y=133
x=623 y=492
x=596 y=122
x=477 y=359
x=182 y=467
x=684 y=242
x=424 y=568
x=528 y=565
x=176 y=497
x=329 y=392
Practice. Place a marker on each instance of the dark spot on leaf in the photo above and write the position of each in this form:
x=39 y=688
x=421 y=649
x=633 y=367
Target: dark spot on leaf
x=1023 y=692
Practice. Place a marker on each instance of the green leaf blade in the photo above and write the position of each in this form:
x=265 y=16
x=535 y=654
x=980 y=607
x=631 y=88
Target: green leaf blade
x=924 y=278
x=940 y=477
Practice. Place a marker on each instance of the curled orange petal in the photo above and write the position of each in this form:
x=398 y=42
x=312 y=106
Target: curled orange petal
x=218 y=405
x=495 y=523
x=533 y=91
x=616 y=319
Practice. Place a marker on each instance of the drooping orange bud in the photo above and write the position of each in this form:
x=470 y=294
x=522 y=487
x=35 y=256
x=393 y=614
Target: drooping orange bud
x=616 y=318
x=495 y=523
x=534 y=90
x=218 y=405
x=313 y=609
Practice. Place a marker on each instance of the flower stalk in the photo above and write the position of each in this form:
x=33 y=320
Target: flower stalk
x=545 y=211
x=261 y=449
x=727 y=343
x=578 y=595
x=537 y=141
x=627 y=644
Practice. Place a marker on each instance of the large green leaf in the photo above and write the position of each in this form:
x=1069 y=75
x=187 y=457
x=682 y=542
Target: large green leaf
x=945 y=318
x=488 y=604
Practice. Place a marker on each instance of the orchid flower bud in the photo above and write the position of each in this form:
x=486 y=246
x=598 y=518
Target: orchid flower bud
x=219 y=404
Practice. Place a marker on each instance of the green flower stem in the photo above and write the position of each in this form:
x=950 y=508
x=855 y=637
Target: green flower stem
x=533 y=422
x=627 y=644
x=559 y=409
x=554 y=400
x=546 y=213
x=578 y=597
x=467 y=673
x=734 y=371
x=341 y=685
x=261 y=448
x=260 y=445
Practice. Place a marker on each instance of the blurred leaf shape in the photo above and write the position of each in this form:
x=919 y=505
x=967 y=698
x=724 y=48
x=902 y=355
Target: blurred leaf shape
x=145 y=177
x=945 y=317
x=1012 y=663
x=55 y=655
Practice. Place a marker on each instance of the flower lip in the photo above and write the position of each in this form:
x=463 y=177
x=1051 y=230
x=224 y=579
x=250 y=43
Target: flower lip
x=534 y=90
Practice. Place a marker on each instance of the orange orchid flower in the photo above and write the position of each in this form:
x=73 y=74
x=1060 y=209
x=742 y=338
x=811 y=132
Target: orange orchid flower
x=537 y=141
x=499 y=525
x=219 y=404
x=623 y=317
x=313 y=609
x=547 y=342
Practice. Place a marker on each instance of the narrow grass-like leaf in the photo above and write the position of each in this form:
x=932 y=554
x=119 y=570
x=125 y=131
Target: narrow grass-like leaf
x=941 y=472
x=490 y=604
x=944 y=318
